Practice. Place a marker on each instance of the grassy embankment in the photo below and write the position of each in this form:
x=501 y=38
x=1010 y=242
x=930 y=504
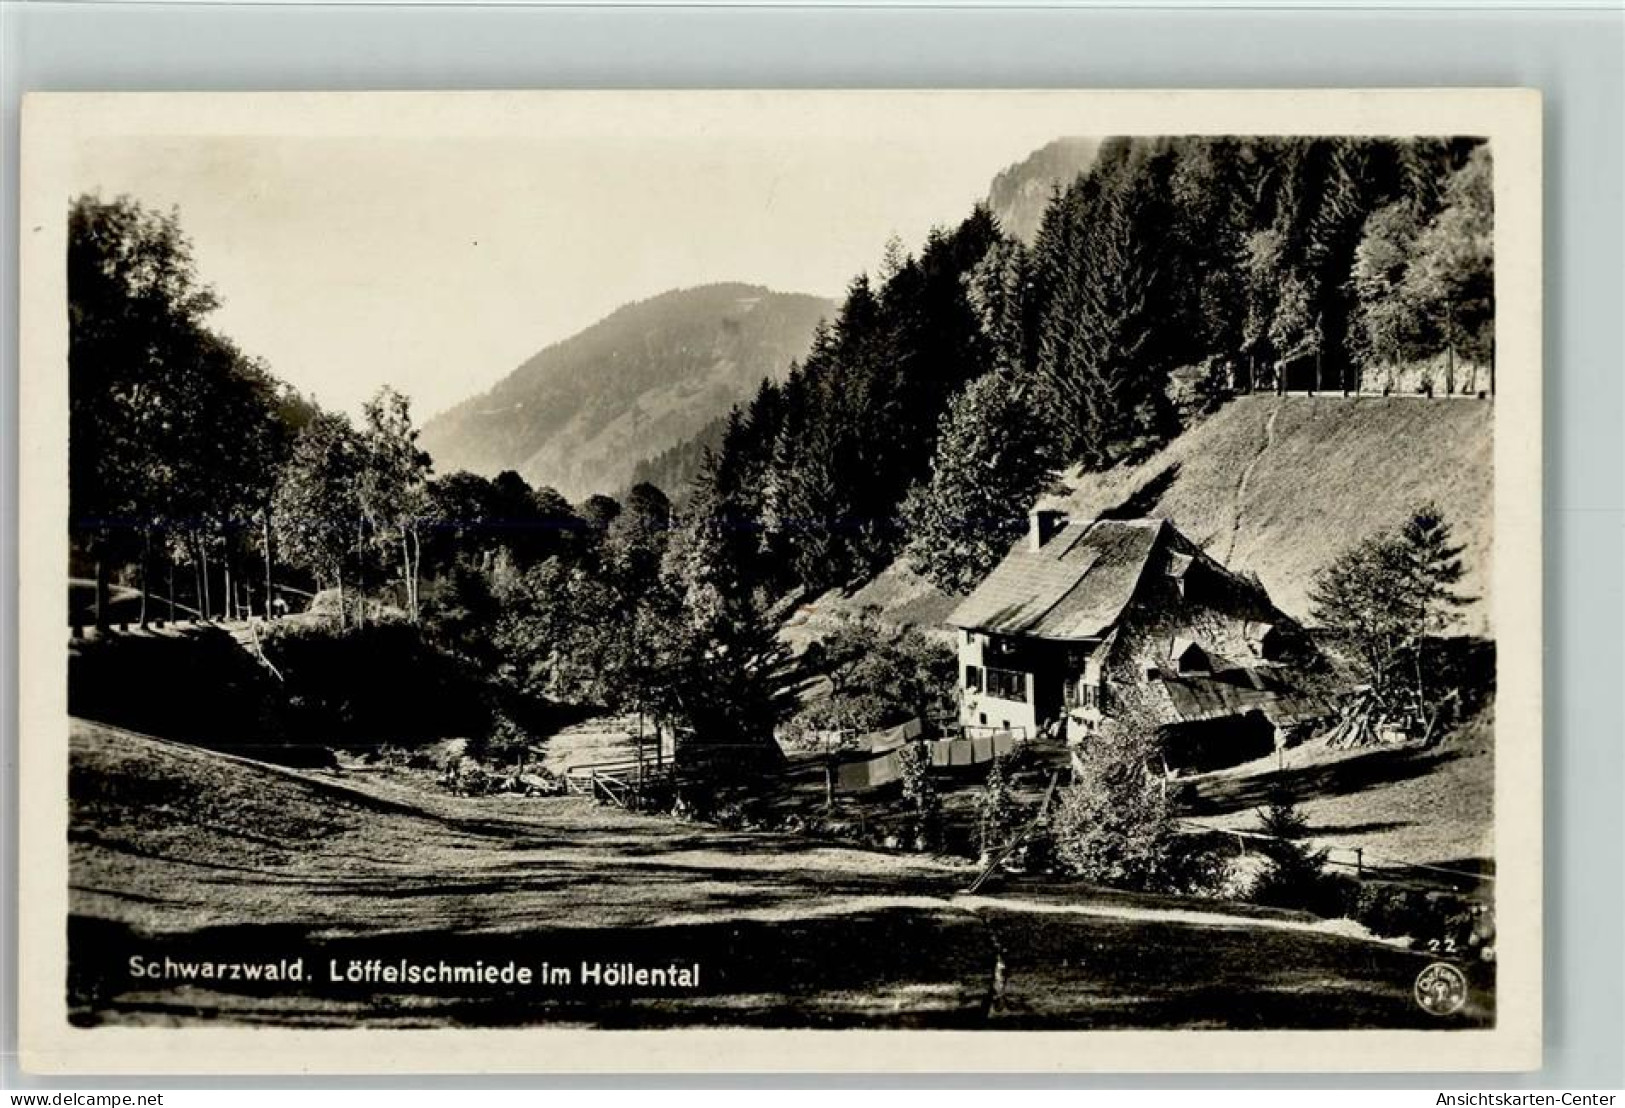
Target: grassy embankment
x=191 y=853
x=1275 y=485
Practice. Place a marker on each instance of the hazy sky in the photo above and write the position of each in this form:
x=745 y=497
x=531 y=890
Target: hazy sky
x=437 y=263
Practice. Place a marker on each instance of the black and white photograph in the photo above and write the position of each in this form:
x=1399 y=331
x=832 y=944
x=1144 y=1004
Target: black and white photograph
x=867 y=562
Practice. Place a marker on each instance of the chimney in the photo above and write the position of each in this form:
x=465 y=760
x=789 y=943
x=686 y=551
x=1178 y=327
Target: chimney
x=1042 y=525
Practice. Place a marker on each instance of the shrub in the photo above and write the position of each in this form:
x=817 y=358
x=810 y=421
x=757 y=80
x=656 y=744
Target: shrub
x=1296 y=876
x=507 y=742
x=730 y=815
x=879 y=676
x=380 y=681
x=1196 y=865
x=996 y=815
x=1115 y=824
x=1445 y=922
x=921 y=791
x=196 y=686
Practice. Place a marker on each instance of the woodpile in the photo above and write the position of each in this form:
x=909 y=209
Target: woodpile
x=1361 y=723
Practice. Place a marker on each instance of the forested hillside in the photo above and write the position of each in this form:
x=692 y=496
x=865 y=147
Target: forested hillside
x=1276 y=486
x=949 y=392
x=1021 y=192
x=580 y=414
x=677 y=467
x=1175 y=273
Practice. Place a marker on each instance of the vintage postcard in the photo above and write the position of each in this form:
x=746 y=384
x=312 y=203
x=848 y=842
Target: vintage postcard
x=800 y=581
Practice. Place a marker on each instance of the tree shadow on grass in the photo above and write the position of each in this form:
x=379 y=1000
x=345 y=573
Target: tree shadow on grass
x=911 y=965
x=577 y=888
x=889 y=967
x=1381 y=767
x=794 y=973
x=1103 y=973
x=1144 y=500
x=1370 y=827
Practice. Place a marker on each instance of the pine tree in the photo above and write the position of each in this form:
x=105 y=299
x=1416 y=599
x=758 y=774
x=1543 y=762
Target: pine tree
x=1212 y=213
x=1297 y=874
x=1358 y=176
x=1388 y=595
x=723 y=679
x=893 y=257
x=638 y=537
x=1106 y=348
x=996 y=811
x=1000 y=291
x=989 y=466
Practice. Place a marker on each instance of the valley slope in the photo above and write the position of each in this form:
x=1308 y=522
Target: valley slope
x=202 y=858
x=1279 y=486
x=1022 y=191
x=583 y=412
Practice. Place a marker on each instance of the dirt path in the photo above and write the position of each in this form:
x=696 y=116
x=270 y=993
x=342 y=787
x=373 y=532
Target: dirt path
x=1240 y=496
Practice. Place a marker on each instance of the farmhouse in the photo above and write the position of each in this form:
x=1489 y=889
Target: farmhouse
x=1093 y=620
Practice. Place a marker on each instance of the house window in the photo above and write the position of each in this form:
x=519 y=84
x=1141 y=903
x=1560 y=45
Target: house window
x=1081 y=693
x=973 y=678
x=1006 y=684
x=1191 y=658
x=1265 y=642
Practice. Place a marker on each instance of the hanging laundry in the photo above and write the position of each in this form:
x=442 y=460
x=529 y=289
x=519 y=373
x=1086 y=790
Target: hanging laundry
x=869 y=774
x=893 y=738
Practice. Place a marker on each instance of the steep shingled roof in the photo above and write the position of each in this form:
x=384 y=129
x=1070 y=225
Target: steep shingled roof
x=1238 y=692
x=1073 y=587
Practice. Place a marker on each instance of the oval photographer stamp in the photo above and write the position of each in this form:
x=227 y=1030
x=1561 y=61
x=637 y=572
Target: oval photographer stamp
x=1441 y=989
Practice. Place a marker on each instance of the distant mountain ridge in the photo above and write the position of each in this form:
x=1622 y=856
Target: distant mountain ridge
x=1021 y=192
x=582 y=413
x=637 y=394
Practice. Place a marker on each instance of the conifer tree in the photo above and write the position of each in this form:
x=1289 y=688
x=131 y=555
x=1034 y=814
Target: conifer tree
x=638 y=537
x=990 y=465
x=723 y=678
x=1388 y=596
x=1000 y=290
x=1106 y=347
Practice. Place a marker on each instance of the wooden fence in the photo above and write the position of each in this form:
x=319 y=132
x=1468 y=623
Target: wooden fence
x=1364 y=862
x=622 y=782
